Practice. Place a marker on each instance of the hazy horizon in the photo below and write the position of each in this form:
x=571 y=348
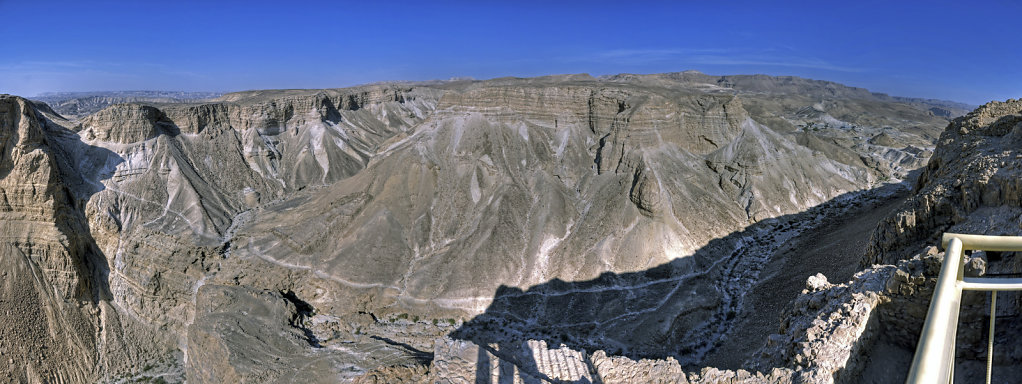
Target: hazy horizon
x=199 y=91
x=940 y=50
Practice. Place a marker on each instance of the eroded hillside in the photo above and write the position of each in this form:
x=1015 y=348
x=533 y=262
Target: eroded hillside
x=329 y=234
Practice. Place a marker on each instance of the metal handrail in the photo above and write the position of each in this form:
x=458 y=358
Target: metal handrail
x=934 y=361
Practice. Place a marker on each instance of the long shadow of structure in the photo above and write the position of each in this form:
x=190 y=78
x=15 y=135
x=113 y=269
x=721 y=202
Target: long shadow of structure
x=681 y=309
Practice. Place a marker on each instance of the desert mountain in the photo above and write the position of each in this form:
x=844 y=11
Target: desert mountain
x=325 y=235
x=75 y=105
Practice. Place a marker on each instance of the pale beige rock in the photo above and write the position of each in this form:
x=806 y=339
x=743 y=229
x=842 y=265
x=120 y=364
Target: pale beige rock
x=970 y=185
x=144 y=229
x=48 y=297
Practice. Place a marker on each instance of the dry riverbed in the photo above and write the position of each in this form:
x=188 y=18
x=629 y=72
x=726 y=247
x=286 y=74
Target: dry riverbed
x=834 y=248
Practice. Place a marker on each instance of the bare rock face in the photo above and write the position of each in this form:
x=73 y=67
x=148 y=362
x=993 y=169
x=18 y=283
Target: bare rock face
x=565 y=181
x=334 y=235
x=970 y=184
x=646 y=192
x=243 y=335
x=883 y=139
x=129 y=209
x=828 y=328
x=126 y=123
x=165 y=208
x=48 y=296
x=615 y=369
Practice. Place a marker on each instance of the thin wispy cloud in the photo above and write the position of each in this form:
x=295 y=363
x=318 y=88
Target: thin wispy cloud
x=32 y=77
x=784 y=58
x=638 y=56
x=655 y=54
x=790 y=62
x=43 y=64
x=93 y=66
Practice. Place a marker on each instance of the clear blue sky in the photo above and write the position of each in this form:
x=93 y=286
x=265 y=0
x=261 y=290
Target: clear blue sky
x=949 y=50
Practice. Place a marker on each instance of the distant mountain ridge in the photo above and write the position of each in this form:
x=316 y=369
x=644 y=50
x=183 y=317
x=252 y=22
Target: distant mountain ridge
x=746 y=84
x=80 y=104
x=183 y=95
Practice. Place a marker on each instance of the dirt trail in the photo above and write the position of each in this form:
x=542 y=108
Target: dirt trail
x=833 y=248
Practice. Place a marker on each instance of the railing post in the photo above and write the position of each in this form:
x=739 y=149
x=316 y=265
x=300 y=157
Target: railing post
x=934 y=358
x=990 y=338
x=934 y=361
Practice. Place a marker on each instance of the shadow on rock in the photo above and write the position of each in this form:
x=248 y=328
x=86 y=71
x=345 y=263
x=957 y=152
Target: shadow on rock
x=683 y=309
x=83 y=168
x=422 y=357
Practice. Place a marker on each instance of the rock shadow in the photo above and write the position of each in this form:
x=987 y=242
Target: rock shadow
x=683 y=309
x=82 y=168
x=12 y=137
x=421 y=357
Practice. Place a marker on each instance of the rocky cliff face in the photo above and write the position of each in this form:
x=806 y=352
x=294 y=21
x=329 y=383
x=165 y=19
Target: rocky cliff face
x=546 y=174
x=169 y=185
x=356 y=226
x=506 y=188
x=969 y=185
x=49 y=290
x=126 y=124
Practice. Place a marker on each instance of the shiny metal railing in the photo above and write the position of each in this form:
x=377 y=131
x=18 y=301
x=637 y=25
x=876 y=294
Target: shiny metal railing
x=934 y=361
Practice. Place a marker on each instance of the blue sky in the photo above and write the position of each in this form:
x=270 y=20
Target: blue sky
x=950 y=50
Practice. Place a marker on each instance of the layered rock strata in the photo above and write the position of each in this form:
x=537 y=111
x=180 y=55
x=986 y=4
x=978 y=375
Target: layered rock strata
x=357 y=226
x=49 y=285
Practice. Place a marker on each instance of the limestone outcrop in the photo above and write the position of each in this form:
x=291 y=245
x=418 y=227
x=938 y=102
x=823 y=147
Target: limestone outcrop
x=970 y=185
x=126 y=124
x=346 y=230
x=49 y=296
